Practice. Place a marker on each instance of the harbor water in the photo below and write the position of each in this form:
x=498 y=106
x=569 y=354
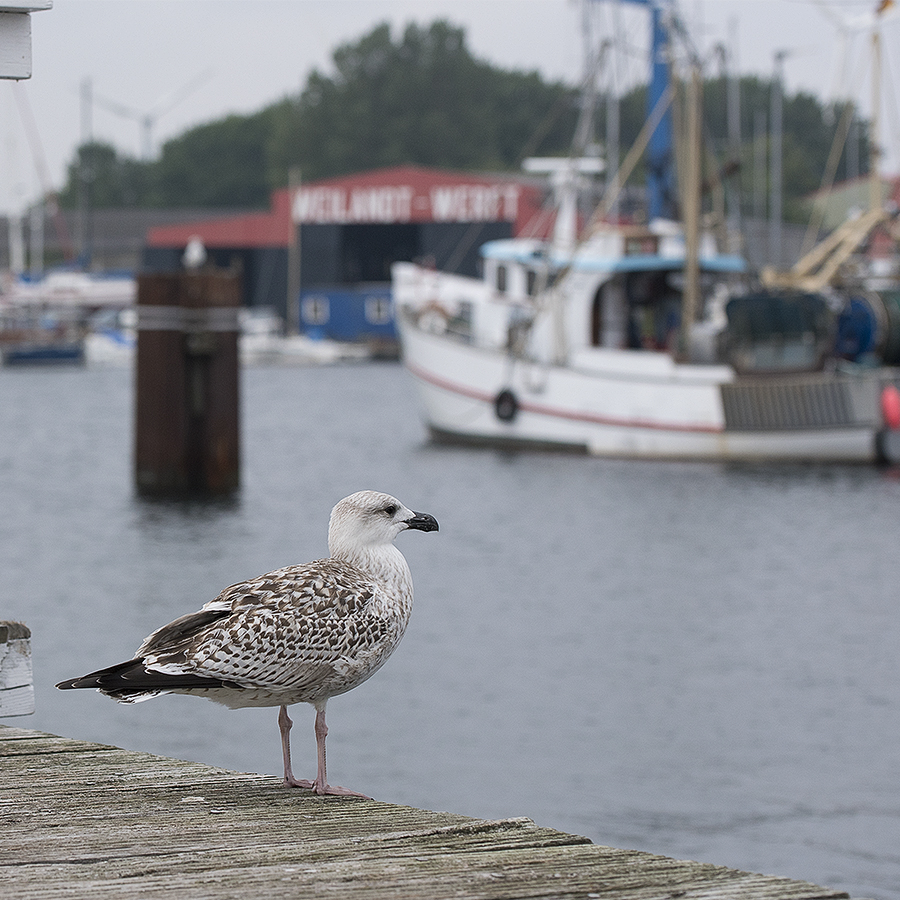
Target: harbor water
x=698 y=660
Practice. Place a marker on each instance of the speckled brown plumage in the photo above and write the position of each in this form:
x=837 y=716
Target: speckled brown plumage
x=299 y=634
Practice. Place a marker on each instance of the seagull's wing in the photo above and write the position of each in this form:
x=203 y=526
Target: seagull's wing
x=282 y=630
x=182 y=631
x=132 y=680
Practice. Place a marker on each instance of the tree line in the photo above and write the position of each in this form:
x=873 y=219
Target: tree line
x=424 y=99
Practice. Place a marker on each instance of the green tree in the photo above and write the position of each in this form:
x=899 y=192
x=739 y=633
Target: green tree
x=424 y=99
x=104 y=178
x=222 y=163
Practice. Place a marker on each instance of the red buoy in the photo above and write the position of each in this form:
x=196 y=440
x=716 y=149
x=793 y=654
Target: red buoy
x=890 y=407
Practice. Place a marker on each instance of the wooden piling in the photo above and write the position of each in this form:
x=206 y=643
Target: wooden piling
x=187 y=426
x=86 y=820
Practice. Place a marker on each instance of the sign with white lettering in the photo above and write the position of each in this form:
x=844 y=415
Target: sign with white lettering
x=391 y=204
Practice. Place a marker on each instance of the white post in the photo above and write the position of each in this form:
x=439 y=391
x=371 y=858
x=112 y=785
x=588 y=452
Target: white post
x=16 y=680
x=15 y=36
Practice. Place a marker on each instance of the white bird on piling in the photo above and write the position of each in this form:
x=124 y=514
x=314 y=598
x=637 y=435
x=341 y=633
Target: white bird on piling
x=301 y=634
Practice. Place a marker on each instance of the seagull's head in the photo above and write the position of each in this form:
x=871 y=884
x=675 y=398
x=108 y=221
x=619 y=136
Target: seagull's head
x=369 y=519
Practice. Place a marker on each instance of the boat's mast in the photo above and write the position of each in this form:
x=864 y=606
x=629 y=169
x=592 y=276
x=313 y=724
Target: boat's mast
x=775 y=162
x=691 y=206
x=661 y=147
x=660 y=152
x=874 y=150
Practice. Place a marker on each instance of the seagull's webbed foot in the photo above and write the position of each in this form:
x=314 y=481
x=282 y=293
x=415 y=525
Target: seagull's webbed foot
x=322 y=789
x=335 y=791
x=291 y=782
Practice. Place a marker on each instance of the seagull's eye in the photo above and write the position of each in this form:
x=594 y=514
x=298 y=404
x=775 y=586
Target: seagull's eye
x=391 y=509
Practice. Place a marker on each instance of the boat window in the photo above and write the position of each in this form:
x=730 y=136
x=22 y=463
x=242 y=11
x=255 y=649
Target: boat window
x=654 y=310
x=535 y=281
x=501 y=278
x=608 y=316
x=642 y=245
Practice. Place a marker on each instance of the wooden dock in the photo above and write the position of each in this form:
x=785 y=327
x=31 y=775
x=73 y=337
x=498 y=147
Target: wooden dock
x=82 y=820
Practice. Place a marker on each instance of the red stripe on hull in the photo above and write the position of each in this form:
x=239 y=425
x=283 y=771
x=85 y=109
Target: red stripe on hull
x=558 y=413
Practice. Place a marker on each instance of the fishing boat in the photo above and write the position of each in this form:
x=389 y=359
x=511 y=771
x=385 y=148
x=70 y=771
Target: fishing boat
x=646 y=341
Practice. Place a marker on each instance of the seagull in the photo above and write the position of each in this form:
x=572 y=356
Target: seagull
x=300 y=634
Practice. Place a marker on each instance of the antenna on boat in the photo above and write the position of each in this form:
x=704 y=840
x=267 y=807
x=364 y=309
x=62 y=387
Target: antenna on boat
x=566 y=176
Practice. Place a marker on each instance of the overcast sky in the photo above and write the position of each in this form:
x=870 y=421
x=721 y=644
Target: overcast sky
x=192 y=61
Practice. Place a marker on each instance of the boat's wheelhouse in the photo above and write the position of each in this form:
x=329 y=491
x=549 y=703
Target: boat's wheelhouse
x=622 y=289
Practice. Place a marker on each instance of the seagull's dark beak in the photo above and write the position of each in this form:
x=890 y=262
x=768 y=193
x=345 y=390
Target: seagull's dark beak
x=422 y=522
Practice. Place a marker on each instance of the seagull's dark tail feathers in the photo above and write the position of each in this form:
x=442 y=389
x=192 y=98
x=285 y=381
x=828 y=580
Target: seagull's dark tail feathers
x=130 y=681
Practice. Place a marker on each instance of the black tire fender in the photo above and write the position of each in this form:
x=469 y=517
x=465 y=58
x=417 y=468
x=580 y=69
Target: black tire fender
x=506 y=406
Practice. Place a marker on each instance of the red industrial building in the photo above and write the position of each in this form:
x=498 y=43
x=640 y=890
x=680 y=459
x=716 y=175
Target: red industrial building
x=349 y=230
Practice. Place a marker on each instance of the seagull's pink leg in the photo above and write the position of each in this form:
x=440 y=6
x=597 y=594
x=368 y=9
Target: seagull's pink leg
x=321 y=785
x=284 y=726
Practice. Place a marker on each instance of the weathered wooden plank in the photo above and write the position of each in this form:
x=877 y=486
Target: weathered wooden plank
x=88 y=820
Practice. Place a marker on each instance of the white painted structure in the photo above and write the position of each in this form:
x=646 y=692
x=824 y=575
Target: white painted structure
x=15 y=36
x=16 y=679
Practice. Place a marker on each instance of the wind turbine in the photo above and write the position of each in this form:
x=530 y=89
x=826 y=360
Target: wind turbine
x=147 y=119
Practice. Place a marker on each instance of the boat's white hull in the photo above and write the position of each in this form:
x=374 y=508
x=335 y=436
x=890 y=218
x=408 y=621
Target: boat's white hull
x=614 y=403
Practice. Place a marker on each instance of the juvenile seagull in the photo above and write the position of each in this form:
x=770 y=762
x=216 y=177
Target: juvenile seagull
x=300 y=634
